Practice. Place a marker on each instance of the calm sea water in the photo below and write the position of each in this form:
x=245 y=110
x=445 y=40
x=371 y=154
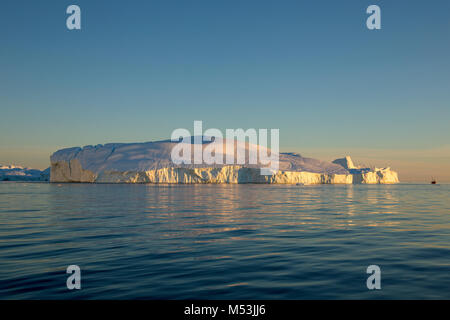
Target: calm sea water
x=224 y=241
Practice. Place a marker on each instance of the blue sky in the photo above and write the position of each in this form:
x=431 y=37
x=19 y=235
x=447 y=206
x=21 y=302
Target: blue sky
x=140 y=69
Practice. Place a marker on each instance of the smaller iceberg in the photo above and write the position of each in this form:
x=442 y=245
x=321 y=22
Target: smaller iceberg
x=18 y=173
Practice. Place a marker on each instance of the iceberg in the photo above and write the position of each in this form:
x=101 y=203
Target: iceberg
x=18 y=173
x=150 y=162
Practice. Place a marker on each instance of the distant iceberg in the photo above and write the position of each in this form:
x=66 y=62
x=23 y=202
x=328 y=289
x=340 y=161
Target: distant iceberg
x=18 y=173
x=150 y=162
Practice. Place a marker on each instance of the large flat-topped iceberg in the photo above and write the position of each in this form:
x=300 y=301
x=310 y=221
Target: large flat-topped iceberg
x=151 y=162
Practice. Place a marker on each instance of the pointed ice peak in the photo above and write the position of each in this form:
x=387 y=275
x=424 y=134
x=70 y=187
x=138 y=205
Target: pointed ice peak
x=346 y=162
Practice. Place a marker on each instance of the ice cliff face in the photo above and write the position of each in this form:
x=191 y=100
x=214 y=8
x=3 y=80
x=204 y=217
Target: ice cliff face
x=150 y=162
x=17 y=173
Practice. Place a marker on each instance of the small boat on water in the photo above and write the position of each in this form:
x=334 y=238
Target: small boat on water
x=433 y=181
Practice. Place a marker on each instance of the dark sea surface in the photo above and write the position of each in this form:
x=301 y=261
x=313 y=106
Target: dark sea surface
x=224 y=241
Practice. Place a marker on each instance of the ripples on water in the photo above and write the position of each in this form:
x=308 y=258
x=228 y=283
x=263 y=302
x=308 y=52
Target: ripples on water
x=224 y=241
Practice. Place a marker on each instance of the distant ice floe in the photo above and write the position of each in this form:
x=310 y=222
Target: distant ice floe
x=18 y=173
